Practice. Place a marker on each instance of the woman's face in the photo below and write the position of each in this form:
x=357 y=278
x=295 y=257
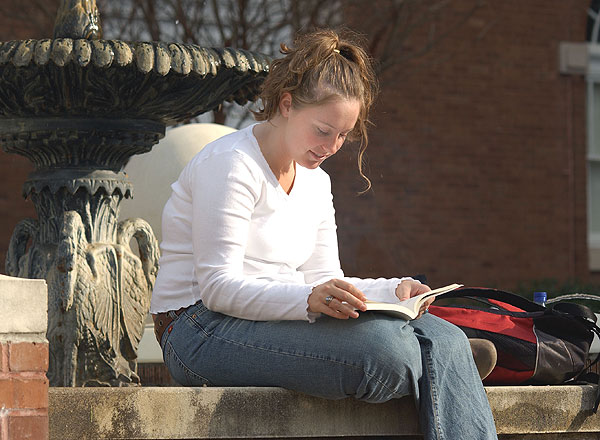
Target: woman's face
x=314 y=133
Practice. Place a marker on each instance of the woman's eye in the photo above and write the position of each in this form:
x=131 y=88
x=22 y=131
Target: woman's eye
x=322 y=132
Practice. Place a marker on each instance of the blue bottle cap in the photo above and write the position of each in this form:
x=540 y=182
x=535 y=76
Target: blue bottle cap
x=540 y=297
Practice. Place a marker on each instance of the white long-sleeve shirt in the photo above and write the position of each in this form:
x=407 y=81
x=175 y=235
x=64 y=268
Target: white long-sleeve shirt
x=233 y=238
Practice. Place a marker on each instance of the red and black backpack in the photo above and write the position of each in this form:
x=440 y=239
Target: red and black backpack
x=535 y=344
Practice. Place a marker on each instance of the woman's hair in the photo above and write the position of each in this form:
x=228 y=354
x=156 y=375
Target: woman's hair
x=323 y=66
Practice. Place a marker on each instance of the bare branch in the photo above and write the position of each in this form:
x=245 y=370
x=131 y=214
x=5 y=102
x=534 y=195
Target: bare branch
x=261 y=25
x=220 y=28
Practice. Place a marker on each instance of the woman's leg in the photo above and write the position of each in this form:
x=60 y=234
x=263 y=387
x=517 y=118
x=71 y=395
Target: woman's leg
x=453 y=403
x=371 y=358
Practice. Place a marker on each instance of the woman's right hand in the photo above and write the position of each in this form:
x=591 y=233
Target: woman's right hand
x=336 y=298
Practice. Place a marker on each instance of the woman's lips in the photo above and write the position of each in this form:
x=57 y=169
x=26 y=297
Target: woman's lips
x=317 y=156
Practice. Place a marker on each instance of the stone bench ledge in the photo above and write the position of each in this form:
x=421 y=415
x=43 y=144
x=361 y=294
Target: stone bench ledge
x=527 y=412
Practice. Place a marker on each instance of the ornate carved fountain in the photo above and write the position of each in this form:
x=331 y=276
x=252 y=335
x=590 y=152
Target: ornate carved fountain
x=79 y=107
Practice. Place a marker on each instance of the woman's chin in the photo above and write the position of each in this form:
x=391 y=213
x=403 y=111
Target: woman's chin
x=310 y=164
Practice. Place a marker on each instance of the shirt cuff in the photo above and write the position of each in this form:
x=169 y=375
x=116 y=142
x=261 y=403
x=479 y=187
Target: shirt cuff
x=311 y=317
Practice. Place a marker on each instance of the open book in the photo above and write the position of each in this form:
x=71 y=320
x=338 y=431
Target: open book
x=409 y=308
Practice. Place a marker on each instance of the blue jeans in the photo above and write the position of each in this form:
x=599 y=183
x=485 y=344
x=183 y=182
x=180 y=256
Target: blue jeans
x=374 y=358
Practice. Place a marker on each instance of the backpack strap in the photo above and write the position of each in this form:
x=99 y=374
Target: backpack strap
x=499 y=295
x=574 y=310
x=579 y=312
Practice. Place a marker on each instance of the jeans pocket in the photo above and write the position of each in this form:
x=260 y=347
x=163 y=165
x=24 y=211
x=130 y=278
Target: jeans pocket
x=180 y=371
x=182 y=352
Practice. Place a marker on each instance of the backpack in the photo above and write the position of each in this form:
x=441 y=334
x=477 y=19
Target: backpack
x=535 y=344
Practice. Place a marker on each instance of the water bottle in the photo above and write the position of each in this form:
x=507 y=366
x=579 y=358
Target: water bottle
x=540 y=298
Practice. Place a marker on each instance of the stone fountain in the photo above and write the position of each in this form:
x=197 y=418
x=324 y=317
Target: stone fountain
x=79 y=107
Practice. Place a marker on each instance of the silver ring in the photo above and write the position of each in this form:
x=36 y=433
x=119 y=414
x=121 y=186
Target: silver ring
x=328 y=299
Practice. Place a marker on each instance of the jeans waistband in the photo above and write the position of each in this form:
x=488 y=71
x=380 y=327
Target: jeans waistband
x=162 y=321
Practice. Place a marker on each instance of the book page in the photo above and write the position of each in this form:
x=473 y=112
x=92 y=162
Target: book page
x=410 y=307
x=415 y=302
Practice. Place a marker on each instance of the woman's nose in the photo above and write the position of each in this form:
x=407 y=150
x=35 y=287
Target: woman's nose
x=334 y=145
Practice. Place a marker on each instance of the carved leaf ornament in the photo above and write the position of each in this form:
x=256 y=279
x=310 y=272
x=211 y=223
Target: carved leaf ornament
x=166 y=82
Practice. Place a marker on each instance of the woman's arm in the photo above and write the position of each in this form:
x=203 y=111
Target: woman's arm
x=225 y=189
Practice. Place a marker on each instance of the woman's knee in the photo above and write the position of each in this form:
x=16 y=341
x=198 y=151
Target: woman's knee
x=442 y=336
x=390 y=361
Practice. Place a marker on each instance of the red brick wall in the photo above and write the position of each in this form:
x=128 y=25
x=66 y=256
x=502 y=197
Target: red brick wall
x=23 y=391
x=478 y=157
x=477 y=160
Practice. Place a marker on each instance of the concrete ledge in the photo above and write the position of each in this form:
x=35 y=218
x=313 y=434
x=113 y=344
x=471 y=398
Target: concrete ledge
x=529 y=412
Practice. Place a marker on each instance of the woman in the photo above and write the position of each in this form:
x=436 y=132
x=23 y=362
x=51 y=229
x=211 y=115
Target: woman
x=250 y=290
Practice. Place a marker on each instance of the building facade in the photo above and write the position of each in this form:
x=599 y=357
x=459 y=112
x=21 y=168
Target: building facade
x=478 y=156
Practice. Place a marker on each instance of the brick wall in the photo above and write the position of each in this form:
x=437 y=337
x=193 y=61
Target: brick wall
x=23 y=359
x=477 y=158
x=24 y=390
x=478 y=155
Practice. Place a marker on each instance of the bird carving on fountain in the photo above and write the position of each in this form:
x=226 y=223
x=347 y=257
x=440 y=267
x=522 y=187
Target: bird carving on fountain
x=99 y=294
x=78 y=19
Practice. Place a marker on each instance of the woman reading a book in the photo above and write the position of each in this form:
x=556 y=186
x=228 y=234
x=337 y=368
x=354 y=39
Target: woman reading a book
x=250 y=291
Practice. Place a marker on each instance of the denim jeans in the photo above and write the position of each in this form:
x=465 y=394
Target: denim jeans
x=374 y=358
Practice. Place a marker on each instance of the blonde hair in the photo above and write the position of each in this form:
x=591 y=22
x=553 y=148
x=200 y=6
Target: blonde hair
x=323 y=66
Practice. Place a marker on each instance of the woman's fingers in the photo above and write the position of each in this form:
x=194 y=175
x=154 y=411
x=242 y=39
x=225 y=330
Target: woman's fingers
x=425 y=306
x=343 y=308
x=409 y=288
x=336 y=298
x=346 y=292
x=332 y=311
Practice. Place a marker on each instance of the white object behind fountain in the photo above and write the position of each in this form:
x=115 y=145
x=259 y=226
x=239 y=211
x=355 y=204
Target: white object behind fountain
x=153 y=173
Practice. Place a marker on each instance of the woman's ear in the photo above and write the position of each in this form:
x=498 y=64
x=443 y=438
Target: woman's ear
x=285 y=104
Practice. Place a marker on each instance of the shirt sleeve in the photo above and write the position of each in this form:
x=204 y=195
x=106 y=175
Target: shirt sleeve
x=324 y=263
x=225 y=191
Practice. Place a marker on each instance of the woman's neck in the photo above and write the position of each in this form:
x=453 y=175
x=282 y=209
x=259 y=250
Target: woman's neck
x=270 y=140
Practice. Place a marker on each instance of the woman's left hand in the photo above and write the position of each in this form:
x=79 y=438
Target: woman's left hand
x=409 y=288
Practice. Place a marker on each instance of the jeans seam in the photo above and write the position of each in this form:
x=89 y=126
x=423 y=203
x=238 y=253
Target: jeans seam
x=187 y=371
x=433 y=393
x=305 y=356
x=196 y=324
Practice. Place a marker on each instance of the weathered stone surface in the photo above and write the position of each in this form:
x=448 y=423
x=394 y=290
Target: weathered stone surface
x=178 y=413
x=534 y=412
x=23 y=309
x=545 y=409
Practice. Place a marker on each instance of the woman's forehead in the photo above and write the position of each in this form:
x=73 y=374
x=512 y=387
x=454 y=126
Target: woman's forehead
x=340 y=114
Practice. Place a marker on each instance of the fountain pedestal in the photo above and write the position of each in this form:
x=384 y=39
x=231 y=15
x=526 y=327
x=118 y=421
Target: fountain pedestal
x=79 y=109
